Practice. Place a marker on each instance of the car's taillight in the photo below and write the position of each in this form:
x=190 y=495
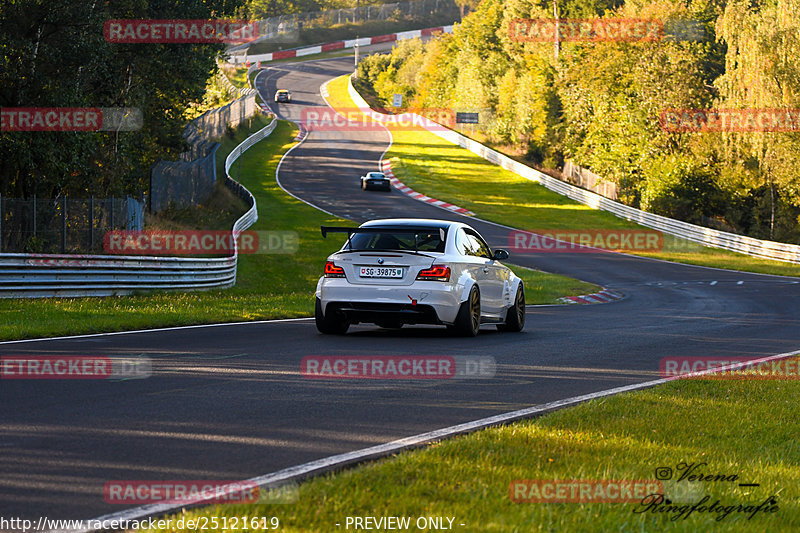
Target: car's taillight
x=332 y=271
x=435 y=273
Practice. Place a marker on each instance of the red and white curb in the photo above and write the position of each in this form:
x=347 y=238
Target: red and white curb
x=601 y=297
x=302 y=133
x=340 y=45
x=408 y=191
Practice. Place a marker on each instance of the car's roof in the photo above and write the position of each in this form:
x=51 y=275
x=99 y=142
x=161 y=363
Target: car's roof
x=283 y=91
x=376 y=174
x=426 y=222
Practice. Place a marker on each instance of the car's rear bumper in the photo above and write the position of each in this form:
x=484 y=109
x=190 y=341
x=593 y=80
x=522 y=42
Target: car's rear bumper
x=379 y=184
x=372 y=312
x=423 y=302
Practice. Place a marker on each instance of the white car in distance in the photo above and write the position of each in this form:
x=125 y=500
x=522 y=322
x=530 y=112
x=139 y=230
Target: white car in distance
x=392 y=272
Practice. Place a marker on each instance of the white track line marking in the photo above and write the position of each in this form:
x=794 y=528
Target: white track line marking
x=337 y=462
x=155 y=330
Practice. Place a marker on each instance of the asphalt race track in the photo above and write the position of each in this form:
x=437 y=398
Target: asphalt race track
x=228 y=402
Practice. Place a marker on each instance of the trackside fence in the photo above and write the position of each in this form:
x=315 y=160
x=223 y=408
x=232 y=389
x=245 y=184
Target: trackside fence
x=48 y=275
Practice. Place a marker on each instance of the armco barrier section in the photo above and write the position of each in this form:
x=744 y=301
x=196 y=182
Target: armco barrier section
x=49 y=275
x=706 y=236
x=339 y=45
x=229 y=87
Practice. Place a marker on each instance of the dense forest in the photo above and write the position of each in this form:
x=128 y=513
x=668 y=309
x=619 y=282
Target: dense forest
x=54 y=54
x=600 y=103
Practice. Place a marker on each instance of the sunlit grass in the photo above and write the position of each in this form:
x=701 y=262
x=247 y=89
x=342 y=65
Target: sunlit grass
x=267 y=287
x=624 y=437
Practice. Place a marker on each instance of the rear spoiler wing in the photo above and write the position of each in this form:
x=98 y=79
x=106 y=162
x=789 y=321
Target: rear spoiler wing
x=381 y=229
x=411 y=230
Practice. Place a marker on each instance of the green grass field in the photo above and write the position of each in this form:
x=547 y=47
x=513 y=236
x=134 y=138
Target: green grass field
x=623 y=437
x=268 y=285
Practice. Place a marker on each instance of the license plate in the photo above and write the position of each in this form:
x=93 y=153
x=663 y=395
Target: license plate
x=380 y=272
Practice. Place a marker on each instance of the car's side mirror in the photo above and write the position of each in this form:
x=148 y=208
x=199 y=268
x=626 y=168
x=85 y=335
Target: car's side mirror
x=500 y=254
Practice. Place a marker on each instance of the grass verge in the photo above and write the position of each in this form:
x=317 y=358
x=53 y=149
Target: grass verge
x=624 y=437
x=268 y=286
x=437 y=168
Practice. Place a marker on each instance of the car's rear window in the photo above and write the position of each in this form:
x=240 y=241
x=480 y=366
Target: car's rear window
x=429 y=241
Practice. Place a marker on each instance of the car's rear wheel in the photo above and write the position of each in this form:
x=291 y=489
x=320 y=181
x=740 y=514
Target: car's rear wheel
x=330 y=324
x=468 y=320
x=515 y=317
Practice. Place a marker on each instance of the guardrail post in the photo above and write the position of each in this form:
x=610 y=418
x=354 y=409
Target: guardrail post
x=34 y=215
x=64 y=225
x=1 y=222
x=91 y=222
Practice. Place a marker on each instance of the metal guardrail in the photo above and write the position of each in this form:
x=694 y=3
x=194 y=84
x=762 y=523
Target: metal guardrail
x=49 y=275
x=777 y=251
x=230 y=88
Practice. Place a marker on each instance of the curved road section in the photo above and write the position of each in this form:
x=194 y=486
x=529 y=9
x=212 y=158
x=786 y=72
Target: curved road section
x=229 y=402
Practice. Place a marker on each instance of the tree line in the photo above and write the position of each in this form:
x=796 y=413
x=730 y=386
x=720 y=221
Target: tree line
x=54 y=54
x=602 y=103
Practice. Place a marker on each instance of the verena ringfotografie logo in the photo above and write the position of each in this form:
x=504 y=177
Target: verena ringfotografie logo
x=74 y=367
x=729 y=120
x=585 y=241
x=354 y=119
x=740 y=368
x=199 y=242
x=70 y=119
x=132 y=31
x=397 y=367
x=582 y=490
x=591 y=29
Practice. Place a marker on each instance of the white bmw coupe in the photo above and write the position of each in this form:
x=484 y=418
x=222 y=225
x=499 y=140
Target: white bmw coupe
x=399 y=271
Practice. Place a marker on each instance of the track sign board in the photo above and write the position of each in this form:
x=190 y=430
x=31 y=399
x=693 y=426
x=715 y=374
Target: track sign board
x=466 y=118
